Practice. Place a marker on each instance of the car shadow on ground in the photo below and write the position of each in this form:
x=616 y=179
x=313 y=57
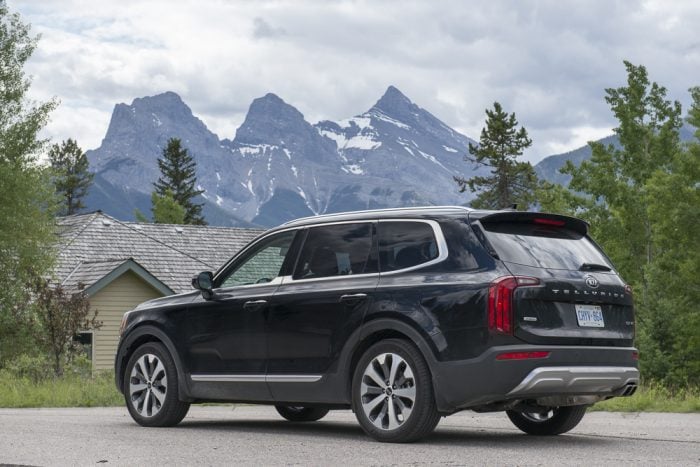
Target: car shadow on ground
x=348 y=431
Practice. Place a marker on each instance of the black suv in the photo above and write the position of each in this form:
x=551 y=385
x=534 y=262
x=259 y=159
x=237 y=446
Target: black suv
x=403 y=315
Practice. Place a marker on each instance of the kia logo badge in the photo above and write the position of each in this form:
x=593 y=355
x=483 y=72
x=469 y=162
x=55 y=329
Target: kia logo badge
x=591 y=282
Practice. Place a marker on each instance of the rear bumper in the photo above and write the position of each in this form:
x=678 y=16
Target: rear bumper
x=567 y=371
x=578 y=380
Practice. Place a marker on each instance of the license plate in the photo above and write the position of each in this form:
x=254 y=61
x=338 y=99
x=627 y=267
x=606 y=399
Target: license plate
x=590 y=316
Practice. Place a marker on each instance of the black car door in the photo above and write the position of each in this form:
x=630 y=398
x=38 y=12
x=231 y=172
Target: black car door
x=316 y=309
x=225 y=336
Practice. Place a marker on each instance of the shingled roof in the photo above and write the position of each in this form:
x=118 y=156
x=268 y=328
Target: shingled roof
x=91 y=246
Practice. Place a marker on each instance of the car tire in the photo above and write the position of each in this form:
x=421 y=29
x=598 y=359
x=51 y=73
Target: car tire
x=392 y=393
x=554 y=421
x=301 y=414
x=151 y=387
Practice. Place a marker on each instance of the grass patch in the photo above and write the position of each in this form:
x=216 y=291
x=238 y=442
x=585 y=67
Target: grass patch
x=654 y=398
x=69 y=391
x=99 y=391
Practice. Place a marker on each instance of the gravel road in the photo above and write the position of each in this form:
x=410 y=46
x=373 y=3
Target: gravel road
x=253 y=435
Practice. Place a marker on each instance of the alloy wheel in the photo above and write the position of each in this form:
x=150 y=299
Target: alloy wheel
x=388 y=391
x=542 y=416
x=148 y=385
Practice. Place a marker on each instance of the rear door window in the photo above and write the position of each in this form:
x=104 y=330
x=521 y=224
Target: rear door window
x=406 y=244
x=337 y=250
x=543 y=246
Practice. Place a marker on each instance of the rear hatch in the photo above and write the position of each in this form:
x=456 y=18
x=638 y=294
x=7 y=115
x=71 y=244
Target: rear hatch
x=578 y=297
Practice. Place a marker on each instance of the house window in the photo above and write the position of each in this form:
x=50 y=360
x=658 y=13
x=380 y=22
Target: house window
x=83 y=341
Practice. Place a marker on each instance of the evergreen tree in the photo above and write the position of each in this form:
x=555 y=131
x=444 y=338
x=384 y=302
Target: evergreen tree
x=71 y=175
x=178 y=176
x=511 y=181
x=27 y=222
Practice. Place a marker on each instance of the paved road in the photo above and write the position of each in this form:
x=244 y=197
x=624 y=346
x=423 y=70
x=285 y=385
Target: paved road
x=248 y=435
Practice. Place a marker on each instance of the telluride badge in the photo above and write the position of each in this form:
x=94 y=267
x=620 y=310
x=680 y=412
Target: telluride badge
x=591 y=281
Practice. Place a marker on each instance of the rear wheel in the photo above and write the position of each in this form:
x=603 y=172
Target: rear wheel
x=548 y=421
x=301 y=414
x=392 y=393
x=150 y=387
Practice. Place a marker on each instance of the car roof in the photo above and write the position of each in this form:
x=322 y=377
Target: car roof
x=392 y=213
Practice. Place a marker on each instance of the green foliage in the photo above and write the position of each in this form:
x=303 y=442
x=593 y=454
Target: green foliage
x=70 y=174
x=71 y=390
x=178 y=176
x=166 y=210
x=511 y=181
x=59 y=315
x=654 y=397
x=141 y=217
x=27 y=226
x=557 y=199
x=644 y=208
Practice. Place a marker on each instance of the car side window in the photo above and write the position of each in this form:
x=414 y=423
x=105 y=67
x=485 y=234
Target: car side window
x=336 y=250
x=405 y=244
x=263 y=263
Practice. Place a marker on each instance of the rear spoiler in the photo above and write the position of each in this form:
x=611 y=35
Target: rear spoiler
x=545 y=219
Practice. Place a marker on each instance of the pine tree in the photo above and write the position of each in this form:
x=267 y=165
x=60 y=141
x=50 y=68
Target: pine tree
x=71 y=175
x=511 y=181
x=178 y=177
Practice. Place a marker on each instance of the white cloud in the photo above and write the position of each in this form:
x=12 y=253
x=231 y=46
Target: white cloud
x=547 y=61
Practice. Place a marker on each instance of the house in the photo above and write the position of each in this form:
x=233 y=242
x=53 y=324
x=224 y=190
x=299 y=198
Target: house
x=122 y=264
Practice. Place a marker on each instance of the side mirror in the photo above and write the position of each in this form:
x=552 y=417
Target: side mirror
x=204 y=281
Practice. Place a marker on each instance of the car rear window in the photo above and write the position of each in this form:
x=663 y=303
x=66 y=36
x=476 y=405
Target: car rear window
x=404 y=244
x=543 y=246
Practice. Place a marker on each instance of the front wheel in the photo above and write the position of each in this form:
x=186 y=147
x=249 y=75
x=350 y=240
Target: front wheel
x=548 y=421
x=392 y=393
x=150 y=387
x=301 y=414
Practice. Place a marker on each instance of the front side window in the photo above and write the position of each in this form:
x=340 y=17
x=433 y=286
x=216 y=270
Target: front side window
x=405 y=244
x=336 y=250
x=263 y=264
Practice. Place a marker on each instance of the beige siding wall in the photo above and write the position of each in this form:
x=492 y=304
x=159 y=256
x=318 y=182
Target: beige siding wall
x=111 y=302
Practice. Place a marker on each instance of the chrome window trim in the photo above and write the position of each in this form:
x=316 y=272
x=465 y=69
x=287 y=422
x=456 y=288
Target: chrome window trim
x=443 y=252
x=244 y=378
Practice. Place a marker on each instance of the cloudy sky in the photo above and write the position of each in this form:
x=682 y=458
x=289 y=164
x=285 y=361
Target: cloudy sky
x=547 y=61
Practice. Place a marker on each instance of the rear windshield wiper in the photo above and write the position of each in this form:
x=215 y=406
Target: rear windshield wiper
x=594 y=267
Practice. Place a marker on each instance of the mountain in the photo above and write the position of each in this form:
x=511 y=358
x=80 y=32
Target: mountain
x=279 y=166
x=548 y=168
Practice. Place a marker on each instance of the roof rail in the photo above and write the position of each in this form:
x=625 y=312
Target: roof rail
x=375 y=211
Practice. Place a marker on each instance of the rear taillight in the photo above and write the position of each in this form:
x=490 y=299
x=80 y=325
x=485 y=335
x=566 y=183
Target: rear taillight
x=500 y=306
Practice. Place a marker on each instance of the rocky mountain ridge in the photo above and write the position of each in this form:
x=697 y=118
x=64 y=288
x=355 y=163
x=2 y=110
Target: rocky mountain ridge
x=279 y=166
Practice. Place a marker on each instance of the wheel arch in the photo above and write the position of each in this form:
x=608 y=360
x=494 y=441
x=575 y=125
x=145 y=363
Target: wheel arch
x=142 y=334
x=380 y=329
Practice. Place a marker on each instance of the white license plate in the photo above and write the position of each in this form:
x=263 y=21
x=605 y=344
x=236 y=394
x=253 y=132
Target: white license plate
x=590 y=316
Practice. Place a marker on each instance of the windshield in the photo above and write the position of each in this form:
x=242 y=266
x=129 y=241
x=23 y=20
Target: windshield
x=543 y=246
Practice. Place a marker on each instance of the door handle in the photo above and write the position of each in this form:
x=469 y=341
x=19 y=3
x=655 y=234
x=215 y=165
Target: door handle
x=254 y=305
x=352 y=299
